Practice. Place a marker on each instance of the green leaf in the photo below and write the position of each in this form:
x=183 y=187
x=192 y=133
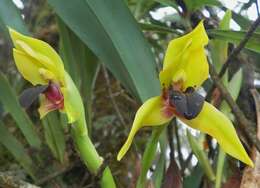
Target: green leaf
x=11 y=104
x=111 y=32
x=197 y=4
x=54 y=135
x=142 y=8
x=16 y=149
x=243 y=21
x=169 y=3
x=201 y=156
x=158 y=28
x=233 y=86
x=149 y=155
x=11 y=16
x=159 y=171
x=235 y=37
x=219 y=49
x=158 y=174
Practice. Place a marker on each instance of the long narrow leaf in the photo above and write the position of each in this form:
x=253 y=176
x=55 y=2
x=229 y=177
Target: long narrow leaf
x=219 y=47
x=111 y=32
x=54 y=135
x=236 y=36
x=160 y=167
x=11 y=104
x=16 y=149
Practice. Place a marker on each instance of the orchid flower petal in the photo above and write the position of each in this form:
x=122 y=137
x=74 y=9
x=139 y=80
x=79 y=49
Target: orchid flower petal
x=40 y=51
x=45 y=106
x=29 y=68
x=216 y=124
x=151 y=113
x=187 y=54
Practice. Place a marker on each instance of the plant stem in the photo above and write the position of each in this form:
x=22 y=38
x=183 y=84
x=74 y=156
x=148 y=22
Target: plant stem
x=89 y=155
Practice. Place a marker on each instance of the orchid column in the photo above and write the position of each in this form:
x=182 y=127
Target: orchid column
x=39 y=63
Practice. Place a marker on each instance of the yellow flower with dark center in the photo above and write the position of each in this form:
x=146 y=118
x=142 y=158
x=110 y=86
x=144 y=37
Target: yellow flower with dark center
x=185 y=68
x=39 y=63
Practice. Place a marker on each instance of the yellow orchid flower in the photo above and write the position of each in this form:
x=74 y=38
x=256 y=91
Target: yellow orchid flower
x=185 y=68
x=39 y=63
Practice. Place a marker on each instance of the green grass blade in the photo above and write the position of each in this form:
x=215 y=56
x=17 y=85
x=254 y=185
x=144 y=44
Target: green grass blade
x=11 y=104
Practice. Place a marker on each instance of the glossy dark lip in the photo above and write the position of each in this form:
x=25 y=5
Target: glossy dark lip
x=51 y=91
x=187 y=104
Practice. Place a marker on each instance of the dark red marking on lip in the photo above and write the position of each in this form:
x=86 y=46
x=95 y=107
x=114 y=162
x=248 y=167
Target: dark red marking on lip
x=54 y=95
x=51 y=91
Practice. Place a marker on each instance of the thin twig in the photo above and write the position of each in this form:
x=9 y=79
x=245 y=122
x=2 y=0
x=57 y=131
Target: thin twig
x=240 y=46
x=108 y=83
x=243 y=122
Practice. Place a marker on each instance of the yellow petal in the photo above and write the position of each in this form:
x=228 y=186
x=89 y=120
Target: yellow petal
x=196 y=69
x=195 y=39
x=217 y=125
x=28 y=67
x=187 y=54
x=43 y=60
x=39 y=50
x=45 y=107
x=73 y=105
x=149 y=114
